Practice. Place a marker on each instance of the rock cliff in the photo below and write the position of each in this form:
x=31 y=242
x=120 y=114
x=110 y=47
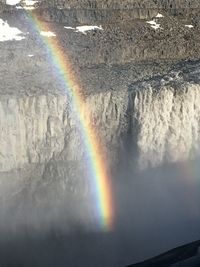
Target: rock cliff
x=159 y=117
x=138 y=70
x=148 y=109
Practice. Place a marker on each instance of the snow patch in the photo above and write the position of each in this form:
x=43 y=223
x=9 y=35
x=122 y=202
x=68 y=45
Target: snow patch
x=28 y=7
x=26 y=4
x=189 y=26
x=30 y=2
x=30 y=55
x=155 y=27
x=69 y=28
x=159 y=15
x=154 y=24
x=84 y=29
x=47 y=34
x=12 y=2
x=8 y=33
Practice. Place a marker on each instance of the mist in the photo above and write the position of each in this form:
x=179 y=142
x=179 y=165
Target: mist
x=156 y=209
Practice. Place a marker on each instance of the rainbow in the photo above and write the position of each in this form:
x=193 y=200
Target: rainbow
x=97 y=161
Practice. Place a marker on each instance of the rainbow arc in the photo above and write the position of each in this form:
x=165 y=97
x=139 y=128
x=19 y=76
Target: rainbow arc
x=97 y=161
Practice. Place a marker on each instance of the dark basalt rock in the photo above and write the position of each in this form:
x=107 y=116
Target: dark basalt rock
x=184 y=256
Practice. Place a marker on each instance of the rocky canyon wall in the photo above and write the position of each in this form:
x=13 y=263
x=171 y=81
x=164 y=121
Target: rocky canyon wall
x=159 y=121
x=140 y=85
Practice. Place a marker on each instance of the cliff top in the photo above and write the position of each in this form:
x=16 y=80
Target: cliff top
x=120 y=47
x=110 y=4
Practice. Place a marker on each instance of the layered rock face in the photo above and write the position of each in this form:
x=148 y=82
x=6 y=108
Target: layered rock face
x=34 y=125
x=179 y=4
x=127 y=4
x=36 y=110
x=39 y=124
x=41 y=127
x=168 y=121
x=160 y=123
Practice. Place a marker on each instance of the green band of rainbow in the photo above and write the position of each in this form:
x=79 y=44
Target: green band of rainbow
x=97 y=162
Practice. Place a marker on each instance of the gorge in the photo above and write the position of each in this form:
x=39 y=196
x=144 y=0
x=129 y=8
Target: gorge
x=138 y=72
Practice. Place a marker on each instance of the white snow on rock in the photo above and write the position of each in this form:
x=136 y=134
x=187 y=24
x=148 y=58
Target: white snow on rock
x=12 y=2
x=189 y=26
x=26 y=4
x=159 y=15
x=28 y=7
x=155 y=27
x=8 y=33
x=69 y=28
x=47 y=34
x=84 y=29
x=29 y=4
x=30 y=55
x=154 y=24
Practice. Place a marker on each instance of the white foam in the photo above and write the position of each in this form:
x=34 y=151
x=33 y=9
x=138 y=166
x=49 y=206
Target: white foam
x=8 y=33
x=84 y=29
x=48 y=34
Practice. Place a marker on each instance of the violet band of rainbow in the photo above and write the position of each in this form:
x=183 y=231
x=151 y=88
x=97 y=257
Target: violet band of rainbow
x=97 y=161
